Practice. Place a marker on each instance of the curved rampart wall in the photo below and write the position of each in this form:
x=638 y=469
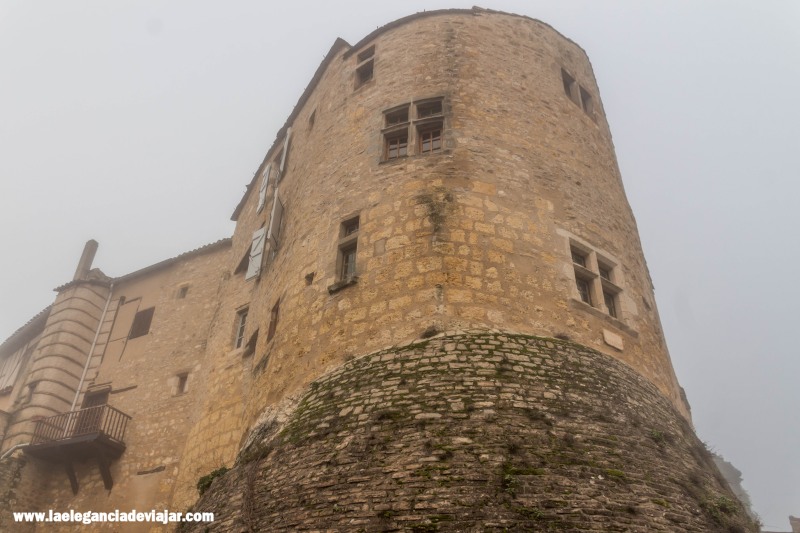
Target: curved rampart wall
x=476 y=431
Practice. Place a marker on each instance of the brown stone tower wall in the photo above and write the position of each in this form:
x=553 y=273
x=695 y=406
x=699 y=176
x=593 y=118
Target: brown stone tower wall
x=477 y=235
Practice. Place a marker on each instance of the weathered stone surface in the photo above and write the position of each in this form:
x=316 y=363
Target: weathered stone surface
x=567 y=439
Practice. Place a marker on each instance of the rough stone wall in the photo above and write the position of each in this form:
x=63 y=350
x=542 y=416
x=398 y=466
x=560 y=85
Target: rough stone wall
x=476 y=431
x=474 y=236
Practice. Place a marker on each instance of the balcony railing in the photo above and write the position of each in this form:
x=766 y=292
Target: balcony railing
x=102 y=419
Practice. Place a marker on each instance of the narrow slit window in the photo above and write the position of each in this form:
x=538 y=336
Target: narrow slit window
x=273 y=320
x=584 y=290
x=611 y=305
x=241 y=325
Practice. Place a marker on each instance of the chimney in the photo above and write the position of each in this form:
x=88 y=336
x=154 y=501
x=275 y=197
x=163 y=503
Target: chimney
x=85 y=264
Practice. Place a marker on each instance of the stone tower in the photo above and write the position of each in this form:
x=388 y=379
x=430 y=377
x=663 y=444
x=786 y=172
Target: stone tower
x=448 y=319
x=434 y=315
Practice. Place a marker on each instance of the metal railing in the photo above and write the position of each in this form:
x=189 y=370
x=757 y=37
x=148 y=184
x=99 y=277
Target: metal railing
x=99 y=419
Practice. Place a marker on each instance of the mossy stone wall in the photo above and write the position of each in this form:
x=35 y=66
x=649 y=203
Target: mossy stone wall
x=477 y=431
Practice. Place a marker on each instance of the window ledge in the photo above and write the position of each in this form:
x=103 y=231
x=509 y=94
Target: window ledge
x=610 y=320
x=339 y=285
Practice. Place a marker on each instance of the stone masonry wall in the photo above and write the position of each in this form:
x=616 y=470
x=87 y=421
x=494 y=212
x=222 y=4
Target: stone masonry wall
x=476 y=431
x=476 y=235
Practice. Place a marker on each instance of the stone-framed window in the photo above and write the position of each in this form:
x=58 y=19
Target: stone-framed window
x=578 y=94
x=347 y=254
x=241 y=327
x=414 y=128
x=596 y=277
x=365 y=66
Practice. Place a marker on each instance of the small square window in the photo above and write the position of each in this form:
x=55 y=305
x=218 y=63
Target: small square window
x=399 y=116
x=429 y=109
x=365 y=54
x=141 y=323
x=183 y=291
x=604 y=271
x=364 y=73
x=183 y=384
x=430 y=139
x=241 y=324
x=578 y=257
x=396 y=145
x=350 y=227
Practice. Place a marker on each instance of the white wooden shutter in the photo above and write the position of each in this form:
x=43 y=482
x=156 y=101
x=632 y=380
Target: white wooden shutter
x=275 y=225
x=285 y=151
x=262 y=191
x=256 y=254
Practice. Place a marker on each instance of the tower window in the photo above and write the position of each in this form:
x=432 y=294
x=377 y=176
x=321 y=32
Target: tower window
x=365 y=66
x=348 y=248
x=569 y=86
x=346 y=254
x=595 y=279
x=610 y=302
x=425 y=137
x=396 y=146
x=430 y=139
x=586 y=102
x=584 y=290
x=578 y=257
x=241 y=324
x=273 y=320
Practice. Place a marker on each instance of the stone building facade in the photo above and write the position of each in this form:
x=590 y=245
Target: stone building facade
x=434 y=314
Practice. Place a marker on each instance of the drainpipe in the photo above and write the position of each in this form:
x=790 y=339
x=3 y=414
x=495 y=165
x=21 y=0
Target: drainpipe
x=91 y=350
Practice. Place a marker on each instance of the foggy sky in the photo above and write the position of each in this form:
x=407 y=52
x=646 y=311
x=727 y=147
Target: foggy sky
x=139 y=123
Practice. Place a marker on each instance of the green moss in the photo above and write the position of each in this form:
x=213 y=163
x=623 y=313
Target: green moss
x=529 y=512
x=616 y=474
x=720 y=509
x=205 y=482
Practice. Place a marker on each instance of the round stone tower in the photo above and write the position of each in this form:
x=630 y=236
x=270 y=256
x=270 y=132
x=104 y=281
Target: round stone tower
x=443 y=307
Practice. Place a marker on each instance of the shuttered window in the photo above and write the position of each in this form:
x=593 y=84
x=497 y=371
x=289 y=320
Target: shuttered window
x=262 y=191
x=141 y=323
x=275 y=226
x=285 y=152
x=256 y=253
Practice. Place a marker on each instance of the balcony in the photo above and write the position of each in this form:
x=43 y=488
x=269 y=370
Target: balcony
x=92 y=433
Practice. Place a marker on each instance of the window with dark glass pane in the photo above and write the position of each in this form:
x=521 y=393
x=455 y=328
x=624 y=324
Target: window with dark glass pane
x=578 y=258
x=583 y=290
x=430 y=140
x=397 y=146
x=610 y=304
